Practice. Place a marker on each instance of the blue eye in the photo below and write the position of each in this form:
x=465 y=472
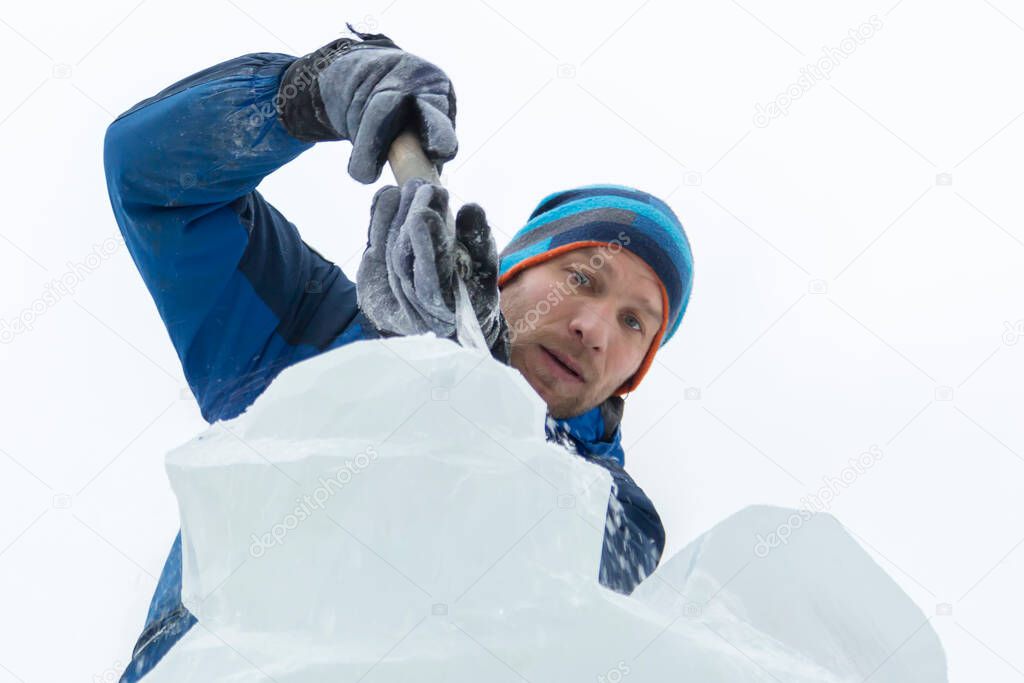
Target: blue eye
x=579 y=279
x=639 y=326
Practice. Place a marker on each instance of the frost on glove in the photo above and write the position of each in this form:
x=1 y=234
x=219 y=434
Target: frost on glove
x=407 y=280
x=367 y=92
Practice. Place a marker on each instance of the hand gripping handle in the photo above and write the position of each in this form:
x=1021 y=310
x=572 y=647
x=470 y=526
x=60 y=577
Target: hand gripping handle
x=407 y=160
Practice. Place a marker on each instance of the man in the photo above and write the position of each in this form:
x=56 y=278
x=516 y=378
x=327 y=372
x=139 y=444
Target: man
x=590 y=288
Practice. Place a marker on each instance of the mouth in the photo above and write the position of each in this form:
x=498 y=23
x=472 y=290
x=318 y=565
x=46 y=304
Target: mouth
x=563 y=365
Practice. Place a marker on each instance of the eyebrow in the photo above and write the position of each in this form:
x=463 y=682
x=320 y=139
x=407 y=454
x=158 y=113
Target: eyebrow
x=647 y=305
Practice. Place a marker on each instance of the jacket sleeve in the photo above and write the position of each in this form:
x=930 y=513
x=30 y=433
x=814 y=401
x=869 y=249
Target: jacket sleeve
x=242 y=296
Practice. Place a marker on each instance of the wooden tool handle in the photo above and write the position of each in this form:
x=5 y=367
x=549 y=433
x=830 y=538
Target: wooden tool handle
x=408 y=160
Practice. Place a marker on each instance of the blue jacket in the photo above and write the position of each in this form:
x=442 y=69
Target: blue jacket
x=243 y=297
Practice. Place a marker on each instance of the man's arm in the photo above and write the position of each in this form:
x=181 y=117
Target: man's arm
x=239 y=291
x=241 y=294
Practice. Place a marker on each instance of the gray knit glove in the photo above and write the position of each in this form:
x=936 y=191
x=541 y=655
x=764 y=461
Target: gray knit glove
x=368 y=92
x=407 y=282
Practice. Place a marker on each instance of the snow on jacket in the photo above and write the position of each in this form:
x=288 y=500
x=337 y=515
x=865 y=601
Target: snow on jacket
x=243 y=297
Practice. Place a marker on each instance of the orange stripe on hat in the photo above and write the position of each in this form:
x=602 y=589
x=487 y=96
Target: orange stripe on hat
x=645 y=365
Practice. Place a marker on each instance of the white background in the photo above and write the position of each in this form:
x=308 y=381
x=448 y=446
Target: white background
x=847 y=293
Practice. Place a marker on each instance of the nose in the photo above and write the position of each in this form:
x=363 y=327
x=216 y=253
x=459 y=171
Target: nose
x=590 y=325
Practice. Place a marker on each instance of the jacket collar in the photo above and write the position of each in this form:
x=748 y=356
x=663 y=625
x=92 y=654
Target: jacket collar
x=595 y=433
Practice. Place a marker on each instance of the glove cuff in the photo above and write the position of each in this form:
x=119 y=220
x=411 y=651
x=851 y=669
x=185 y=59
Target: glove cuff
x=299 y=104
x=501 y=345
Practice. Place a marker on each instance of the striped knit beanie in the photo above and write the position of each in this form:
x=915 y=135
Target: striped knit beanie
x=595 y=215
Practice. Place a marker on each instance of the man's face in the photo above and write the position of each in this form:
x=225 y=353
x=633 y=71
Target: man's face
x=593 y=309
